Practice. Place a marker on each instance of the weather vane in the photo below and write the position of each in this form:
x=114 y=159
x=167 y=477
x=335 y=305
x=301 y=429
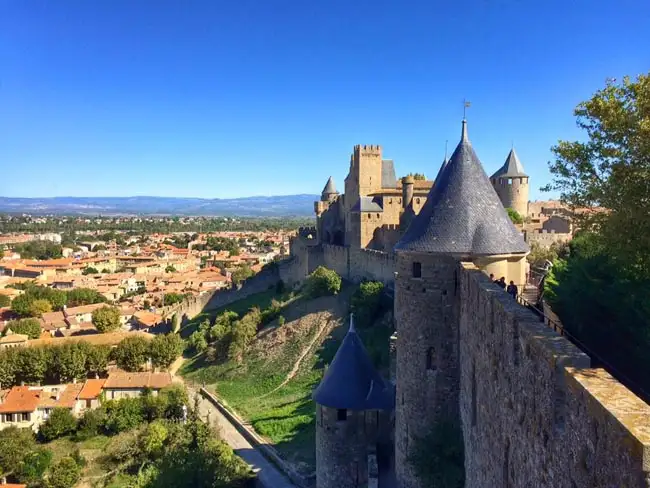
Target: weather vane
x=466 y=105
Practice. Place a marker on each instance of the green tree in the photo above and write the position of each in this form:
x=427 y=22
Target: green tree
x=172 y=298
x=514 y=216
x=164 y=349
x=91 y=423
x=32 y=364
x=170 y=269
x=90 y=270
x=106 y=319
x=84 y=296
x=5 y=301
x=417 y=176
x=22 y=304
x=131 y=353
x=60 y=423
x=64 y=474
x=123 y=415
x=70 y=361
x=322 y=282
x=197 y=342
x=34 y=465
x=97 y=359
x=242 y=273
x=15 y=446
x=39 y=307
x=9 y=365
x=611 y=169
x=366 y=302
x=28 y=327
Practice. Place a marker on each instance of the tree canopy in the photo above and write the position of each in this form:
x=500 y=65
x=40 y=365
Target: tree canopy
x=106 y=319
x=600 y=287
x=611 y=169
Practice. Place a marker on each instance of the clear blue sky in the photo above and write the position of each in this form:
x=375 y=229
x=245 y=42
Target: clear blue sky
x=213 y=98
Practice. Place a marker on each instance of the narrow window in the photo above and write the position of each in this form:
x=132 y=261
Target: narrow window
x=430 y=359
x=473 y=395
x=417 y=270
x=341 y=414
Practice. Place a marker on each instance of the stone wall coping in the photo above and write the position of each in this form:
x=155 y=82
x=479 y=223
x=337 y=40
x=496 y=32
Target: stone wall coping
x=256 y=440
x=604 y=391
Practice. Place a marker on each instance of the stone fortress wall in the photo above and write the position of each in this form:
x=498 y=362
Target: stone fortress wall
x=533 y=411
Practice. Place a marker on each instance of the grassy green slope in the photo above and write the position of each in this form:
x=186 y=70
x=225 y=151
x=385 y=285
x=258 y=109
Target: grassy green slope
x=285 y=414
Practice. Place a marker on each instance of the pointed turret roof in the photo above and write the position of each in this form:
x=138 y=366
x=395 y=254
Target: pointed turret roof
x=462 y=214
x=351 y=382
x=329 y=189
x=511 y=168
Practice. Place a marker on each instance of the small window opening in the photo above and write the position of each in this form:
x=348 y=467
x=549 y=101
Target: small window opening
x=430 y=360
x=341 y=414
x=417 y=270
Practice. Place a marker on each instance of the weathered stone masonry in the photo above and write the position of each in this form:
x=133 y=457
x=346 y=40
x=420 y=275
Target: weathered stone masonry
x=534 y=413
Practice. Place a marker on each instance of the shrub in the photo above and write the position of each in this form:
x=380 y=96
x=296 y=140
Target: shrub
x=65 y=474
x=91 y=423
x=367 y=302
x=123 y=415
x=323 y=282
x=28 y=327
x=5 y=301
x=60 y=423
x=281 y=320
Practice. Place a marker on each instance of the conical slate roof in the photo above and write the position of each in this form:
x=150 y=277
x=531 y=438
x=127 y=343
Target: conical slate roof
x=351 y=382
x=462 y=214
x=511 y=168
x=329 y=187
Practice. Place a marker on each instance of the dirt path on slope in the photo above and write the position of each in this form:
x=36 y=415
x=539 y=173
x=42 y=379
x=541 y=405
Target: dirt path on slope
x=325 y=328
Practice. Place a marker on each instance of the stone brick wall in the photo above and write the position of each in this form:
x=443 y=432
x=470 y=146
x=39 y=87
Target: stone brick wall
x=341 y=449
x=533 y=411
x=426 y=314
x=336 y=258
x=372 y=265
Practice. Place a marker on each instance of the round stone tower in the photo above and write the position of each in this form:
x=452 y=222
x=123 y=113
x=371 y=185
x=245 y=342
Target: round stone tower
x=348 y=401
x=511 y=184
x=462 y=220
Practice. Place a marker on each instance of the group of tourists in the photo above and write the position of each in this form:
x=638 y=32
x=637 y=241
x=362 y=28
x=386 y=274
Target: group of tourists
x=510 y=289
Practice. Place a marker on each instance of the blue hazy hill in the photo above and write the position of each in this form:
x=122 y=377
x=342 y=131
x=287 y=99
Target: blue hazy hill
x=261 y=206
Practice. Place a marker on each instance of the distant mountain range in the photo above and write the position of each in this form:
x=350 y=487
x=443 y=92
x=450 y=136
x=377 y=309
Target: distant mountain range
x=274 y=206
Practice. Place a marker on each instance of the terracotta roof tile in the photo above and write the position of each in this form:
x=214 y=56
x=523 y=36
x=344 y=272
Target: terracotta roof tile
x=91 y=389
x=20 y=399
x=138 y=380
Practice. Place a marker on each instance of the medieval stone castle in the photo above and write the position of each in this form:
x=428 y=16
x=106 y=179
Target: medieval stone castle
x=533 y=412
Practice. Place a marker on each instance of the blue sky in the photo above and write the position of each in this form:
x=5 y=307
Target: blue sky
x=212 y=98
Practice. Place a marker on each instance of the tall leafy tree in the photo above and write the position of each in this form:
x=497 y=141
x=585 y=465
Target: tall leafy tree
x=611 y=169
x=106 y=319
x=164 y=349
x=131 y=353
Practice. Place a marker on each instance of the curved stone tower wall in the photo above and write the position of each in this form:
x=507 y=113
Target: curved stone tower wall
x=513 y=193
x=341 y=449
x=427 y=369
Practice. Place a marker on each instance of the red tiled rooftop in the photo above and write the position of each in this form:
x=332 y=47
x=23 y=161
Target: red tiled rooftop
x=20 y=399
x=91 y=389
